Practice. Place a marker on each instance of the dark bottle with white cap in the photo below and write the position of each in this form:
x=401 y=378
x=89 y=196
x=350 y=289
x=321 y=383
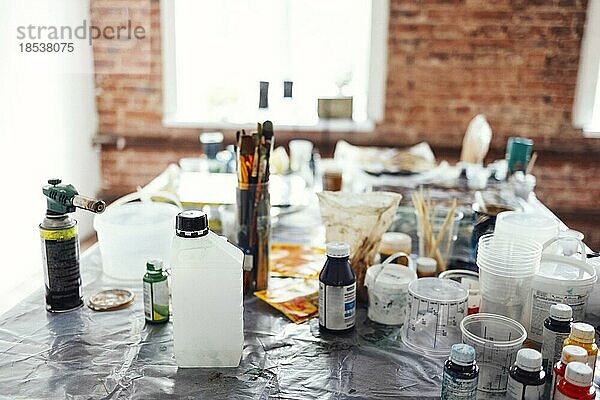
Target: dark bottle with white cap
x=337 y=290
x=526 y=377
x=461 y=373
x=556 y=329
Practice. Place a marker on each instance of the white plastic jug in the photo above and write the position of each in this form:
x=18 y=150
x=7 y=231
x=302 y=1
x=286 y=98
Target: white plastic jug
x=208 y=326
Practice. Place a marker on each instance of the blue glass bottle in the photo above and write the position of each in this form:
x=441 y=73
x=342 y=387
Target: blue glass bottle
x=461 y=373
x=337 y=291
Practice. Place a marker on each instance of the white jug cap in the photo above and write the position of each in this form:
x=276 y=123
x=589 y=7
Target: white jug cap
x=579 y=374
x=561 y=312
x=529 y=360
x=337 y=249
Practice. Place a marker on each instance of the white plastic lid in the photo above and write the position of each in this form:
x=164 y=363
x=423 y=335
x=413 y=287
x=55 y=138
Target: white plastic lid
x=462 y=354
x=397 y=240
x=337 y=249
x=535 y=226
x=579 y=374
x=561 y=312
x=572 y=353
x=390 y=278
x=583 y=332
x=426 y=265
x=529 y=360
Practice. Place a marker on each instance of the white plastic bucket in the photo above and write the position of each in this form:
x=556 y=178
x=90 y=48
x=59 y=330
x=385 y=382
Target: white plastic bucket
x=560 y=279
x=387 y=285
x=129 y=234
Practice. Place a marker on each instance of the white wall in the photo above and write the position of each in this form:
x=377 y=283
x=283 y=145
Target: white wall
x=47 y=121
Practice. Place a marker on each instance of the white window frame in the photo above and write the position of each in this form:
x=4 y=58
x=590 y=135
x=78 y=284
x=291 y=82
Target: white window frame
x=376 y=90
x=586 y=104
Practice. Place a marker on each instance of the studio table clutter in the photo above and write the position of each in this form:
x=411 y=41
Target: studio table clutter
x=344 y=295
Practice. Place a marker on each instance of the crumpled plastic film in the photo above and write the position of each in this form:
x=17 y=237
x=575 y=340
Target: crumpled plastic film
x=358 y=219
x=114 y=355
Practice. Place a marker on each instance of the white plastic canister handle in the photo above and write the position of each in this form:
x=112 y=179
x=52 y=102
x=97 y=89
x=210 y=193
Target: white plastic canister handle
x=141 y=195
x=580 y=246
x=393 y=257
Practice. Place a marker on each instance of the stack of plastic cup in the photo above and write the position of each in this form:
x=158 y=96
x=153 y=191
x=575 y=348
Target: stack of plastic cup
x=506 y=271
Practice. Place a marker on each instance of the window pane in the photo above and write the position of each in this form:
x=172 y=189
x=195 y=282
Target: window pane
x=225 y=48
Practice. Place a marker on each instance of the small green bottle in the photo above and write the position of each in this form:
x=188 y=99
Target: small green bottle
x=156 y=293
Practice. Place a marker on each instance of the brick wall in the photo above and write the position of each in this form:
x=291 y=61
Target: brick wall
x=513 y=60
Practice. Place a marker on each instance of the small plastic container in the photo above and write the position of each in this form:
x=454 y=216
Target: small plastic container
x=435 y=309
x=426 y=267
x=496 y=340
x=387 y=285
x=395 y=242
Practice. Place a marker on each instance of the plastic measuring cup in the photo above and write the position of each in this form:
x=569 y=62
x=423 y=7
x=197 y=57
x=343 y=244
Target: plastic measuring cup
x=496 y=340
x=470 y=281
x=433 y=314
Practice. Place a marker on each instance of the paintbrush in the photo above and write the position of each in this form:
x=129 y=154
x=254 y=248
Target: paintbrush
x=246 y=159
x=269 y=142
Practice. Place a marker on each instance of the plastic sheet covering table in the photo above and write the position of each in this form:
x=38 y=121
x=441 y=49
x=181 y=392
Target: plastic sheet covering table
x=115 y=355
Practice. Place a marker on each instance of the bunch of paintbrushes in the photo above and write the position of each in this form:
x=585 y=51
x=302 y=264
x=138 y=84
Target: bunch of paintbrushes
x=253 y=205
x=436 y=228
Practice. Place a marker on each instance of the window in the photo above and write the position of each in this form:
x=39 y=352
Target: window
x=216 y=53
x=586 y=109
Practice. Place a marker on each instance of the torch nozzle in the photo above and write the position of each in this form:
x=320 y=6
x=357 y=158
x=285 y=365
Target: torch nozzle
x=88 y=203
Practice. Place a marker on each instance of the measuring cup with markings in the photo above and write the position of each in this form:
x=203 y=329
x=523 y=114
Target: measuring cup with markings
x=496 y=340
x=433 y=315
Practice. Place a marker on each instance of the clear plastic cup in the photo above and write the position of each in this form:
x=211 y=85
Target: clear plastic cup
x=508 y=257
x=496 y=340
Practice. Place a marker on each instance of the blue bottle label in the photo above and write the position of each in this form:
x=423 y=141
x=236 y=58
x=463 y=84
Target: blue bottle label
x=458 y=389
x=337 y=306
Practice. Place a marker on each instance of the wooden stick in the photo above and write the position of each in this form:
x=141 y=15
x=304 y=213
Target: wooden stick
x=531 y=163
